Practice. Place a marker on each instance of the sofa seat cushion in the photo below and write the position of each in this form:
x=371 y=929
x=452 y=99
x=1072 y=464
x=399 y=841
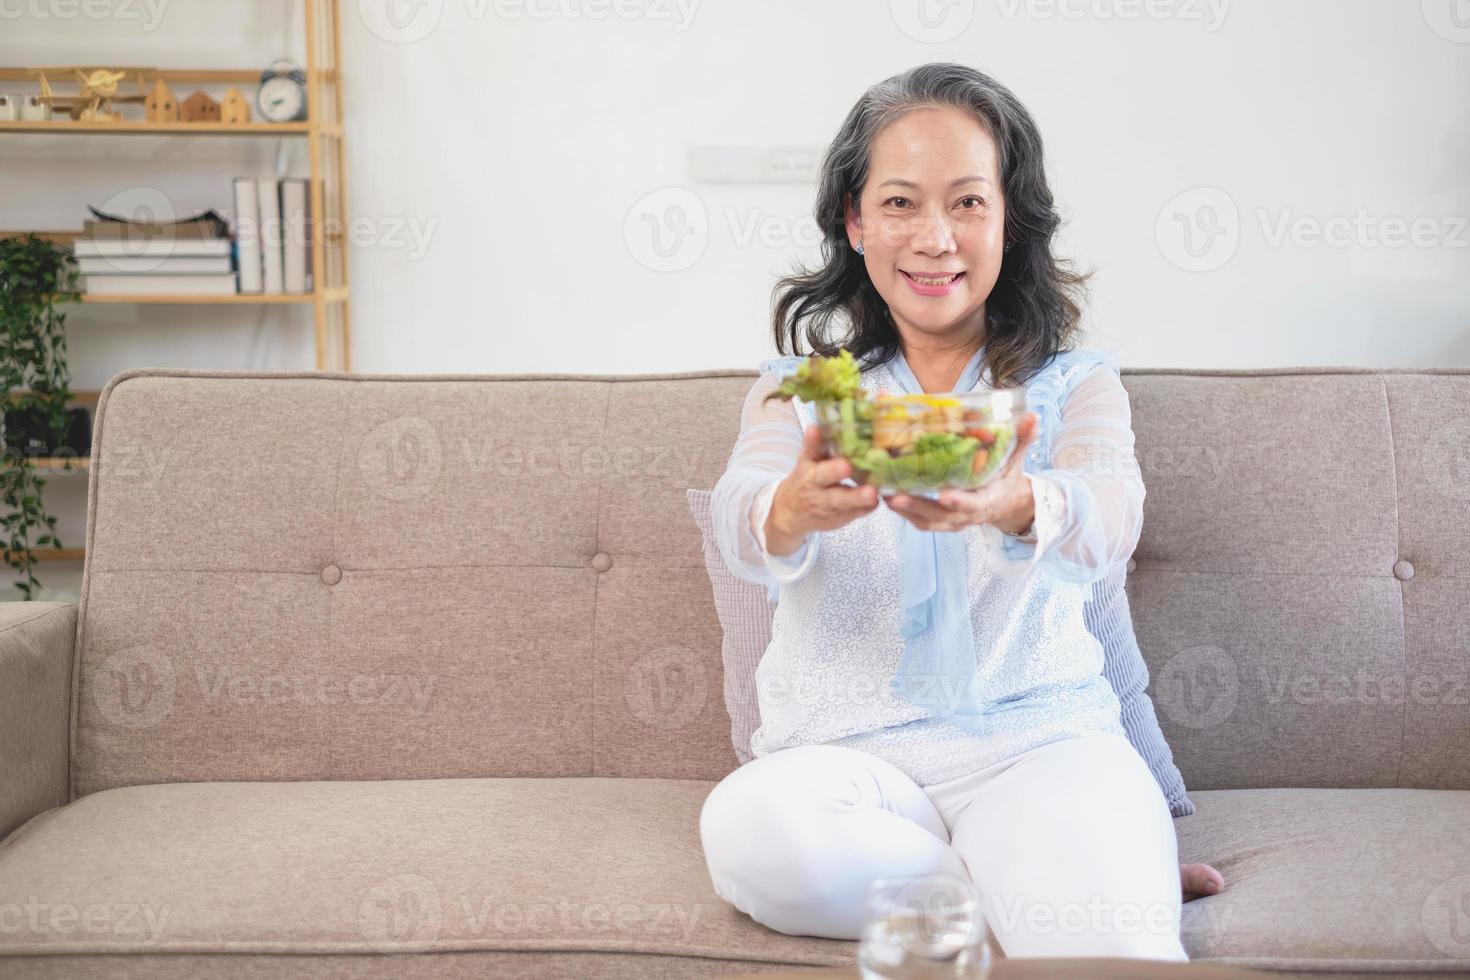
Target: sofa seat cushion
x=1332 y=881
x=1321 y=882
x=548 y=864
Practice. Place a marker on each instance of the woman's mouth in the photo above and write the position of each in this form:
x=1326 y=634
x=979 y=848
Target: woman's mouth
x=932 y=284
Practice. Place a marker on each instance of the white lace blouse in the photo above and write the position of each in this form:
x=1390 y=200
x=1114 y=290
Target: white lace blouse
x=835 y=646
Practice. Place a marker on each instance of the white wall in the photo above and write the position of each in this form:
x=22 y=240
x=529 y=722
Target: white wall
x=502 y=153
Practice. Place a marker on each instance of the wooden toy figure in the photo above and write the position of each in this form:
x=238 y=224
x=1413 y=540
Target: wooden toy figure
x=199 y=107
x=234 y=110
x=163 y=107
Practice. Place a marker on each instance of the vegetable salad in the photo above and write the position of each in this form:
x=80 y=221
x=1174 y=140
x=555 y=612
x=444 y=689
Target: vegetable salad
x=906 y=442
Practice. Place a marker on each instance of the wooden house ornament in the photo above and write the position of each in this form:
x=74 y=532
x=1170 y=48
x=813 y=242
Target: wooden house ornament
x=199 y=107
x=234 y=110
x=162 y=106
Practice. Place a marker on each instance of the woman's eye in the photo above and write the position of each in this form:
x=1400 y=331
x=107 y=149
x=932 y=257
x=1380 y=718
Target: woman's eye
x=979 y=202
x=892 y=199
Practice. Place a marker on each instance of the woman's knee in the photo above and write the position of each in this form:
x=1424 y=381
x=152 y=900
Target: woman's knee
x=768 y=850
x=759 y=826
x=794 y=838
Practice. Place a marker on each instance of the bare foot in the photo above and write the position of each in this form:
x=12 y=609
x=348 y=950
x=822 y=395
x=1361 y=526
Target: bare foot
x=1198 y=880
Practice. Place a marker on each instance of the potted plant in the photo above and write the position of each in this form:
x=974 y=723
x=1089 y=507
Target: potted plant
x=35 y=276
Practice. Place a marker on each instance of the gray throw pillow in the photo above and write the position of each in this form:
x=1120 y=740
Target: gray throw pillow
x=745 y=615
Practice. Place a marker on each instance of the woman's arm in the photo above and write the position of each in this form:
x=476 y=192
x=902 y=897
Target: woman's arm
x=1089 y=503
x=766 y=451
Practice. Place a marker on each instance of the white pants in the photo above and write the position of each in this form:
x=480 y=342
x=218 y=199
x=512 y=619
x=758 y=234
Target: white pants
x=1070 y=845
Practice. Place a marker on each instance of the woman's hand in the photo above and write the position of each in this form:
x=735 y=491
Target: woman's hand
x=812 y=497
x=1005 y=502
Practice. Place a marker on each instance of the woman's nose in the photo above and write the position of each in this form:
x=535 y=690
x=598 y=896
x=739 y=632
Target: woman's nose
x=934 y=236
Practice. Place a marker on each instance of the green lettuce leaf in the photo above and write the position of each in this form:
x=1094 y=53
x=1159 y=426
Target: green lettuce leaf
x=821 y=378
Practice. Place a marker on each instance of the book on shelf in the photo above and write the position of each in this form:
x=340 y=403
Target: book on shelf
x=296 y=219
x=211 y=284
x=158 y=248
x=268 y=199
x=164 y=265
x=206 y=224
x=247 y=235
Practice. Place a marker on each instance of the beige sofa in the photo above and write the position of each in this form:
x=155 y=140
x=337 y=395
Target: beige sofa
x=411 y=676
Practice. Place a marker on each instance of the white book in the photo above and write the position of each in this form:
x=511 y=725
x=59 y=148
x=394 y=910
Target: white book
x=85 y=248
x=200 y=285
x=294 y=216
x=164 y=265
x=247 y=235
x=269 y=202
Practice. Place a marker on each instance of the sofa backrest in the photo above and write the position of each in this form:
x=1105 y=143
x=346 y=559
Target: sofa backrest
x=303 y=575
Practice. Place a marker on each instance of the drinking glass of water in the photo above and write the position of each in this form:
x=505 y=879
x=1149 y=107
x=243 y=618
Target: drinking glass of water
x=924 y=927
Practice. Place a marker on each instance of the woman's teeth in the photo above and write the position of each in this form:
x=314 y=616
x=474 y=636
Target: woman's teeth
x=934 y=282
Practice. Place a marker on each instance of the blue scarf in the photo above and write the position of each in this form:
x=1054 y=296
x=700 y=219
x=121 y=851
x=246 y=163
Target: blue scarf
x=938 y=666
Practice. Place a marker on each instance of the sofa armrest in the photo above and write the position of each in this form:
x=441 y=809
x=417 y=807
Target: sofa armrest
x=36 y=640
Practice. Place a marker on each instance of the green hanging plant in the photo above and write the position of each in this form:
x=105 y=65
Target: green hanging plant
x=35 y=276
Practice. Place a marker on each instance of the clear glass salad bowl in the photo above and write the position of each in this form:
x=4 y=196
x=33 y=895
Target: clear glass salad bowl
x=924 y=443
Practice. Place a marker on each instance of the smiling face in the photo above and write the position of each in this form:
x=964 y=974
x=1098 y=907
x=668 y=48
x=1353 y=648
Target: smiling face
x=931 y=218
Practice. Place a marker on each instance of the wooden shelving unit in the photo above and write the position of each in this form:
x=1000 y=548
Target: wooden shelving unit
x=77 y=397
x=331 y=307
x=323 y=129
x=46 y=553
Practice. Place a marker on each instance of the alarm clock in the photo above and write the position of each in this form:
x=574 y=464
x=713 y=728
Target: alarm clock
x=282 y=94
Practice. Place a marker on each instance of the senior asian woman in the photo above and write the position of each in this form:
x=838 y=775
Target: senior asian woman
x=939 y=276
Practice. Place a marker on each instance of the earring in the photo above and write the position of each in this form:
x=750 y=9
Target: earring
x=859 y=248
x=1008 y=246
